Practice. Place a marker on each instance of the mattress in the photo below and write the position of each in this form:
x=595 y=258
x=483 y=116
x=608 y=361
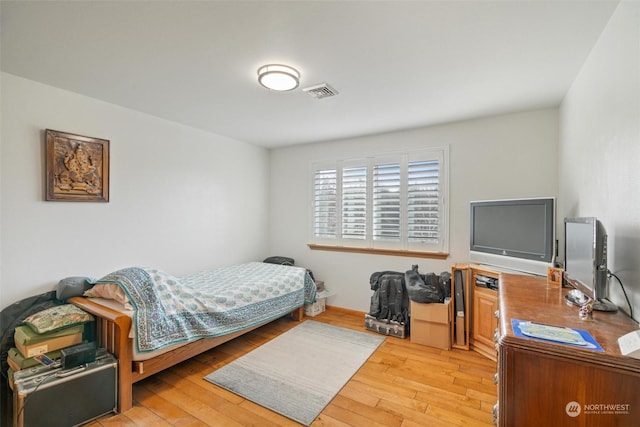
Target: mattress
x=170 y=311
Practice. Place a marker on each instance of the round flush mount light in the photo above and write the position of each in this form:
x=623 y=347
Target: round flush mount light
x=278 y=77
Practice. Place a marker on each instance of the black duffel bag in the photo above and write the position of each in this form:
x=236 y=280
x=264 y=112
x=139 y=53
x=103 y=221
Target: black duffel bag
x=281 y=260
x=423 y=288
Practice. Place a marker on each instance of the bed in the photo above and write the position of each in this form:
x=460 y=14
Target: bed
x=151 y=320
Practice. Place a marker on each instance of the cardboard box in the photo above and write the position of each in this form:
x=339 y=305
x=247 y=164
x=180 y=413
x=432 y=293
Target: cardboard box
x=320 y=305
x=316 y=308
x=431 y=324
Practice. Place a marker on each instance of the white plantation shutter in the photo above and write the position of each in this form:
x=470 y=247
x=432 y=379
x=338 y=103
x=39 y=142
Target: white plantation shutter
x=354 y=202
x=325 y=203
x=396 y=201
x=386 y=202
x=423 y=201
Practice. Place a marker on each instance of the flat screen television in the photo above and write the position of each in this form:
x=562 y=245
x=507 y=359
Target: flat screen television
x=585 y=259
x=514 y=234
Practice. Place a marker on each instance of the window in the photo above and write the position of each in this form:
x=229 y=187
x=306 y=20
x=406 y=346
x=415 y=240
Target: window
x=325 y=203
x=354 y=202
x=395 y=201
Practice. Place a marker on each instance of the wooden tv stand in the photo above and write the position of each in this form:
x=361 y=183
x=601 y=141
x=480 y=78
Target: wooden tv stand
x=548 y=384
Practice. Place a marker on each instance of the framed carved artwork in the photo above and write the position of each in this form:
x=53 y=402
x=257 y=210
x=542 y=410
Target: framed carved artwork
x=77 y=168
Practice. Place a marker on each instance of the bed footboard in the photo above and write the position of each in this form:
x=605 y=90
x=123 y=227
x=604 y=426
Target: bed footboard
x=112 y=333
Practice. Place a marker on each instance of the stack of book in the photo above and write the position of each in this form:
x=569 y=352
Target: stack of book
x=29 y=344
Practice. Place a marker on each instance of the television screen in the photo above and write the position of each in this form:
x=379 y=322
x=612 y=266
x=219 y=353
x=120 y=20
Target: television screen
x=517 y=234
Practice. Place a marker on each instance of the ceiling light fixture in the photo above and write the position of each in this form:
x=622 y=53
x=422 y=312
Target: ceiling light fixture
x=278 y=77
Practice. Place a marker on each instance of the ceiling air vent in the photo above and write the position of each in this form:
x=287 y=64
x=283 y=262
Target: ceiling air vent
x=323 y=90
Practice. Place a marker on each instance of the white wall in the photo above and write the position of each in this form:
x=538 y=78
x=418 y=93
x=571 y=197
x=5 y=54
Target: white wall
x=600 y=146
x=180 y=199
x=506 y=156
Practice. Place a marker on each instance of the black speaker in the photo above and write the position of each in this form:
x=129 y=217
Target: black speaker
x=78 y=355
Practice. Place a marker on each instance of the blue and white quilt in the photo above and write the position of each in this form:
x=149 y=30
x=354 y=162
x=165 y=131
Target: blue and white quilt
x=170 y=310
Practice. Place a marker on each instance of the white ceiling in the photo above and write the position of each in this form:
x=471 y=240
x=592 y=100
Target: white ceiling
x=395 y=64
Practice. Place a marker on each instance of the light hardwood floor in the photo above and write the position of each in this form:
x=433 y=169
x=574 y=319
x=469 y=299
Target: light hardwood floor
x=402 y=384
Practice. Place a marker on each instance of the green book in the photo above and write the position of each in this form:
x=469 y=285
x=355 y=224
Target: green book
x=27 y=336
x=22 y=362
x=31 y=344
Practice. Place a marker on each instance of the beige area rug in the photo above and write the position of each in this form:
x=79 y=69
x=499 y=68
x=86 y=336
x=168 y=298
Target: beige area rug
x=299 y=372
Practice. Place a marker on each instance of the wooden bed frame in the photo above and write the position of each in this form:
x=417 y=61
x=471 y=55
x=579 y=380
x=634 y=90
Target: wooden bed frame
x=112 y=333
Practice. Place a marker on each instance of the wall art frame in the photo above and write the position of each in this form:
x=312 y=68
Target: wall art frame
x=554 y=276
x=77 y=167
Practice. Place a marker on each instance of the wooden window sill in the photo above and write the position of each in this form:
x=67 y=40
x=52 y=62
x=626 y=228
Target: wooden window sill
x=394 y=252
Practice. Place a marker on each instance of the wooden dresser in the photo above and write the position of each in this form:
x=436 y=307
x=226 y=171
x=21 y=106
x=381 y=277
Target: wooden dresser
x=546 y=384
